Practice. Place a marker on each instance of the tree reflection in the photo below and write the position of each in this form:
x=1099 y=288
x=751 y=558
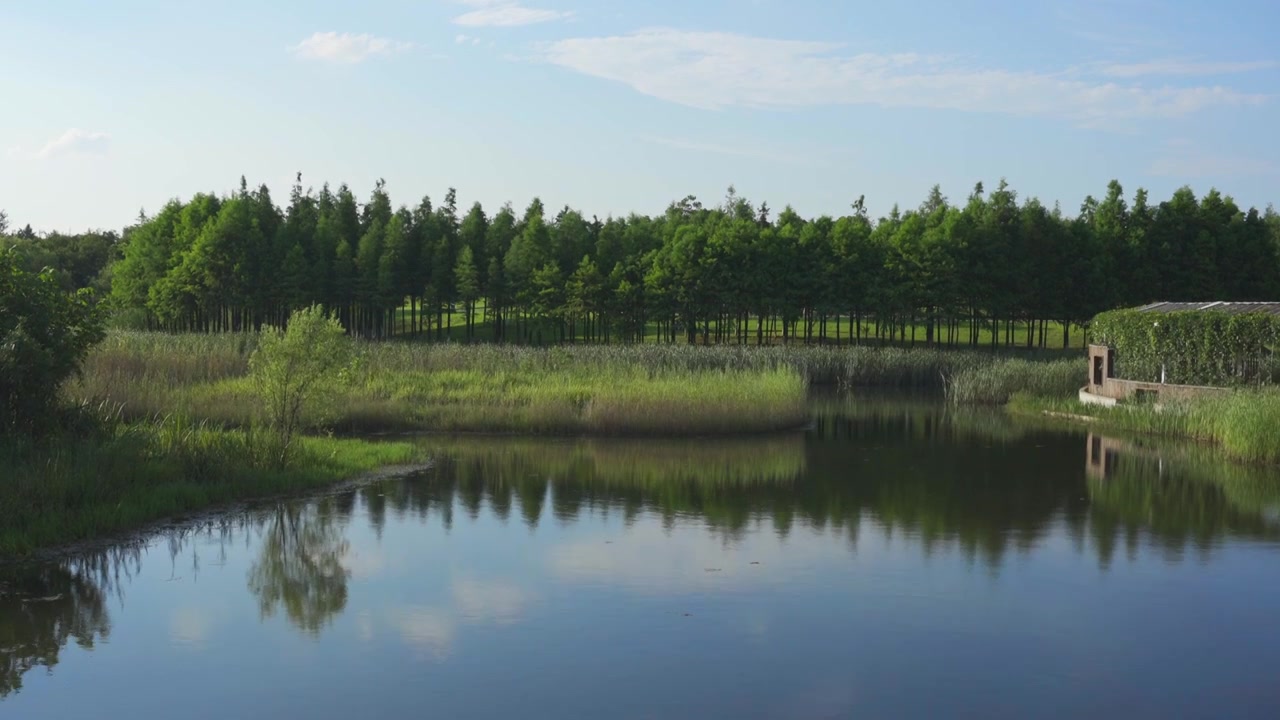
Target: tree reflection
x=299 y=566
x=973 y=481
x=41 y=609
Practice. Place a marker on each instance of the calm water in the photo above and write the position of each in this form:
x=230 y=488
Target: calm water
x=894 y=561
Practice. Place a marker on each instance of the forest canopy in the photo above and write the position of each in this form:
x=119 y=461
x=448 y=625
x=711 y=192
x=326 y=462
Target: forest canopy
x=708 y=272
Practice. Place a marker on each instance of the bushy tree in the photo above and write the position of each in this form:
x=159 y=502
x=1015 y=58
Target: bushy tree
x=296 y=368
x=45 y=333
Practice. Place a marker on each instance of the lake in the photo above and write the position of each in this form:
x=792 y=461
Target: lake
x=894 y=560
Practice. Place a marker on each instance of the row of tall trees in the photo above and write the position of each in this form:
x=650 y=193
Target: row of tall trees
x=732 y=272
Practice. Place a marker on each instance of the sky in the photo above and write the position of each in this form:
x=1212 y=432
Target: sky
x=616 y=106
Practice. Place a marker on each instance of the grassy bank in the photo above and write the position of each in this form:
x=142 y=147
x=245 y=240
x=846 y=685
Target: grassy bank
x=67 y=488
x=618 y=390
x=1245 y=423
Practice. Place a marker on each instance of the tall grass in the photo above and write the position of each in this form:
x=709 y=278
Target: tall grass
x=72 y=488
x=643 y=389
x=1244 y=423
x=995 y=383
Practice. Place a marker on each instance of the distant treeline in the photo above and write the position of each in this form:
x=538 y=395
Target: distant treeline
x=730 y=273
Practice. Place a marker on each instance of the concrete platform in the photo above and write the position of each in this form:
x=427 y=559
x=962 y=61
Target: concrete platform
x=1089 y=398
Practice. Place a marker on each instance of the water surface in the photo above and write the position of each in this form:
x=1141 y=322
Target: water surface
x=895 y=560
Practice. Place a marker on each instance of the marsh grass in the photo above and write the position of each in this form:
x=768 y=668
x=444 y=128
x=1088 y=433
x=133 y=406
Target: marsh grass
x=995 y=383
x=72 y=488
x=1244 y=423
x=613 y=390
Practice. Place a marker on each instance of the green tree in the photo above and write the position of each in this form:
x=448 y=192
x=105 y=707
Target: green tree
x=468 y=281
x=45 y=333
x=296 y=369
x=582 y=296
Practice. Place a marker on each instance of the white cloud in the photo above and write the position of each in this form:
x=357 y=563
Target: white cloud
x=467 y=40
x=365 y=564
x=73 y=142
x=714 y=70
x=502 y=13
x=189 y=626
x=346 y=48
x=427 y=628
x=489 y=601
x=1183 y=68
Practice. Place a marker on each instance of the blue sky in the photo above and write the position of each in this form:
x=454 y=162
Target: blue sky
x=615 y=106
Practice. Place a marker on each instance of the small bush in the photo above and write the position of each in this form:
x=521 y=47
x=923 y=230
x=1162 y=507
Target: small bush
x=295 y=368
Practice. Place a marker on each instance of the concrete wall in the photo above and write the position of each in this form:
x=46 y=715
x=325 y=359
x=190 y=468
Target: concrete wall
x=1102 y=366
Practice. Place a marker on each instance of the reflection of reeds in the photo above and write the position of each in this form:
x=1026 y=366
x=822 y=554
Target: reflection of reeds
x=914 y=416
x=1185 y=492
x=653 y=463
x=1244 y=423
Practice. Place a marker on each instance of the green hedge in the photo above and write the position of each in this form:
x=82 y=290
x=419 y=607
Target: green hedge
x=1194 y=347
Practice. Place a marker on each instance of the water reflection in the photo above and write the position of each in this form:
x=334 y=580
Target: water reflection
x=973 y=487
x=44 y=607
x=1181 y=497
x=300 y=565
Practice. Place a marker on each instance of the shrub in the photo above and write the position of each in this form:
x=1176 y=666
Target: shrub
x=293 y=367
x=45 y=333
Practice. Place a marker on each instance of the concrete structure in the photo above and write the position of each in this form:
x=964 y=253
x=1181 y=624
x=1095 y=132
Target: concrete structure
x=1104 y=388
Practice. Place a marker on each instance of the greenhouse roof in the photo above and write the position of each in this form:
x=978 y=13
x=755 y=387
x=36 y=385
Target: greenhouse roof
x=1231 y=308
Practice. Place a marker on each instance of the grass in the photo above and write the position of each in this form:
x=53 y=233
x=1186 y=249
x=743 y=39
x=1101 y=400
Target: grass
x=1244 y=423
x=996 y=383
x=183 y=439
x=640 y=389
x=611 y=390
x=69 y=489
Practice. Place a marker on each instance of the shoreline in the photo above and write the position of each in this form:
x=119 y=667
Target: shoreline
x=141 y=536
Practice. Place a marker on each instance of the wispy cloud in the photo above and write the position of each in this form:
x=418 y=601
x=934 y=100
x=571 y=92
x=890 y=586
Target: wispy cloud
x=715 y=70
x=466 y=40
x=346 y=48
x=72 y=142
x=503 y=13
x=1183 y=68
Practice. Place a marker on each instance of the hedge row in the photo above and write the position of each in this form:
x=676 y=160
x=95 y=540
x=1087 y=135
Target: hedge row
x=1193 y=347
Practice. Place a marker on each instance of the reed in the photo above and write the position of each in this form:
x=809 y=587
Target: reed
x=1244 y=423
x=616 y=390
x=73 y=488
x=996 y=382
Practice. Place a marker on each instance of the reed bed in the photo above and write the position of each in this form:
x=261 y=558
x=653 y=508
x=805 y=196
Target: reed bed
x=995 y=383
x=1244 y=423
x=610 y=390
x=73 y=488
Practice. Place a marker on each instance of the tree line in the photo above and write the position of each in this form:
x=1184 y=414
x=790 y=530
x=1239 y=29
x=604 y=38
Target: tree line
x=733 y=272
